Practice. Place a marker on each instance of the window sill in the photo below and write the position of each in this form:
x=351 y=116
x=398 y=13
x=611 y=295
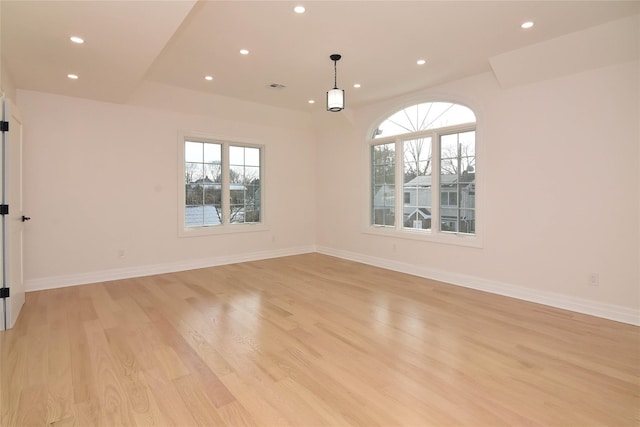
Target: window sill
x=226 y=229
x=471 y=241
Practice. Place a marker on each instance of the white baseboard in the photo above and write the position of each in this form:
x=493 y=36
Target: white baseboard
x=579 y=305
x=150 y=270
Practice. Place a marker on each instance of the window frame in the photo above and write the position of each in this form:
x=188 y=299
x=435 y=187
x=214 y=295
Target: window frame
x=225 y=227
x=435 y=234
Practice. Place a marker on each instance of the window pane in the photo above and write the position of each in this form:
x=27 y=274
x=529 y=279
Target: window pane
x=236 y=155
x=467 y=221
x=390 y=174
x=251 y=173
x=212 y=195
x=252 y=156
x=193 y=194
x=212 y=153
x=193 y=151
x=383 y=217
x=384 y=154
x=213 y=172
x=444 y=198
x=425 y=116
x=236 y=174
x=194 y=216
x=379 y=174
x=194 y=172
x=448 y=224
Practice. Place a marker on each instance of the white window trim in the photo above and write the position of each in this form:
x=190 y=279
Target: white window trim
x=225 y=227
x=434 y=235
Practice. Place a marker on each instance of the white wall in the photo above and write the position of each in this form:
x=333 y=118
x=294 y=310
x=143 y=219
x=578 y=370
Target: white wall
x=558 y=161
x=6 y=82
x=101 y=178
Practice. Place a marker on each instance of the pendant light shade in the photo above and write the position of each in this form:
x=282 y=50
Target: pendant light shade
x=335 y=100
x=335 y=96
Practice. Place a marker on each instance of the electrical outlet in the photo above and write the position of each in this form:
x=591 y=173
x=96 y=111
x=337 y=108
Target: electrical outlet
x=594 y=279
x=121 y=253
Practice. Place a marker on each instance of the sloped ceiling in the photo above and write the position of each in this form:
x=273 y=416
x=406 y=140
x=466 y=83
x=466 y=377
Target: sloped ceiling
x=177 y=43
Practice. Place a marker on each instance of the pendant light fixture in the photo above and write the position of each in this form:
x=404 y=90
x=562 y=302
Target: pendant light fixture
x=335 y=96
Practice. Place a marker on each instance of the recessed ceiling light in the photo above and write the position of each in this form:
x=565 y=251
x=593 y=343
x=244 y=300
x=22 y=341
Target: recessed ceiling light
x=311 y=101
x=356 y=85
x=208 y=78
x=244 y=52
x=76 y=39
x=421 y=62
x=527 y=25
x=73 y=76
x=299 y=9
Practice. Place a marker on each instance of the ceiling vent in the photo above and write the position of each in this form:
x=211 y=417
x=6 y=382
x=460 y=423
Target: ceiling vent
x=276 y=86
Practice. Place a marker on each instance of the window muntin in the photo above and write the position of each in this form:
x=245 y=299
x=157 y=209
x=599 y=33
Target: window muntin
x=446 y=130
x=420 y=117
x=222 y=184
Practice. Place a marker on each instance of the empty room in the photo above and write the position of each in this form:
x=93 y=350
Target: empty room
x=320 y=213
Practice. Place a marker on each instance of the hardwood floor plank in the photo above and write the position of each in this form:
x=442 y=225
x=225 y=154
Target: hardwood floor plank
x=310 y=340
x=251 y=399
x=59 y=381
x=170 y=404
x=114 y=404
x=81 y=373
x=196 y=400
x=32 y=406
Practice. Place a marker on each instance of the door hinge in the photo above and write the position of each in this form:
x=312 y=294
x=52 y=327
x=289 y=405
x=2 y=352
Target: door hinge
x=4 y=209
x=4 y=126
x=4 y=293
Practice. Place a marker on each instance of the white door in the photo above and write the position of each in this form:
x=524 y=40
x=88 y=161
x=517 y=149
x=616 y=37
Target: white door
x=13 y=222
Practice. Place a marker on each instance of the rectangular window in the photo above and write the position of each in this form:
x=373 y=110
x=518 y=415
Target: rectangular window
x=222 y=184
x=457 y=182
x=383 y=170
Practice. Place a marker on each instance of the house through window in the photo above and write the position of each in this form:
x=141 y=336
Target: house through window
x=407 y=148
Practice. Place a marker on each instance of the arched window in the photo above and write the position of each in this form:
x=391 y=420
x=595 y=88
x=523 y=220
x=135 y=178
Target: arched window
x=423 y=170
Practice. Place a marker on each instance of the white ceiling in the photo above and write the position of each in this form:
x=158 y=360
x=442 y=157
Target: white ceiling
x=177 y=43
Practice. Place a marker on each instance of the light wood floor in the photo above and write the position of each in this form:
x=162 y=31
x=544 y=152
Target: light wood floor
x=310 y=340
